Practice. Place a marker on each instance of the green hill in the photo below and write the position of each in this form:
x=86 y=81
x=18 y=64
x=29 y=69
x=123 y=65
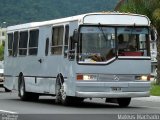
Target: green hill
x=22 y=11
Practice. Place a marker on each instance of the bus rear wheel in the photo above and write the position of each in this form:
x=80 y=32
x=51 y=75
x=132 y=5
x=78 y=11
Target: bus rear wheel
x=26 y=96
x=123 y=102
x=21 y=90
x=7 y=90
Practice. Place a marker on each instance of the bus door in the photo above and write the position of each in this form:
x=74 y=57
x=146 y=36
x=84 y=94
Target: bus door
x=43 y=80
x=68 y=55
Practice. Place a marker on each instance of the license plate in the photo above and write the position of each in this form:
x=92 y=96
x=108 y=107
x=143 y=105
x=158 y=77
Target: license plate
x=116 y=89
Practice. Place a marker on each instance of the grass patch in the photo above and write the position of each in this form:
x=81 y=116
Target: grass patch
x=155 y=90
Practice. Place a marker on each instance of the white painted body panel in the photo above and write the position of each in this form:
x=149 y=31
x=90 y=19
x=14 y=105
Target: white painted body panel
x=119 y=19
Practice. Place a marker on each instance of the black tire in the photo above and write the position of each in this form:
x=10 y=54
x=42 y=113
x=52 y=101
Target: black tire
x=75 y=101
x=123 y=102
x=33 y=96
x=70 y=100
x=25 y=96
x=7 y=90
x=67 y=101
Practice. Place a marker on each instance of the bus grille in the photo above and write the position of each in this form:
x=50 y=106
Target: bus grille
x=111 y=78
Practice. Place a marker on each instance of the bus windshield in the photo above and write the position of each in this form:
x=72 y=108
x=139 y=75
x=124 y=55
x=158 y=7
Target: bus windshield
x=101 y=44
x=133 y=41
x=97 y=44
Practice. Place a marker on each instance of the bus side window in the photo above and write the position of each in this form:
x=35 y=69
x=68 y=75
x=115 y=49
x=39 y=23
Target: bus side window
x=15 y=43
x=66 y=40
x=57 y=40
x=33 y=42
x=10 y=42
x=23 y=43
x=47 y=45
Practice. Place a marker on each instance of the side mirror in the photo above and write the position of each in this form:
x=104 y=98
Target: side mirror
x=65 y=53
x=75 y=36
x=71 y=55
x=153 y=34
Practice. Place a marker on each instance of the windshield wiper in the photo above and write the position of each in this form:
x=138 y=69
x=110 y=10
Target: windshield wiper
x=100 y=28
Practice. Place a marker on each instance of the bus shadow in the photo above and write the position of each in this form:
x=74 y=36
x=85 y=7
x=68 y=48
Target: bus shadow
x=85 y=104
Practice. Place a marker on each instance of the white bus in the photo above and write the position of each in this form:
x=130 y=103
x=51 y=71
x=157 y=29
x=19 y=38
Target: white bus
x=95 y=55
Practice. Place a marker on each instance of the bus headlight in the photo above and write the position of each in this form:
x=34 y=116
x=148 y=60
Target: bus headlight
x=143 y=77
x=86 y=77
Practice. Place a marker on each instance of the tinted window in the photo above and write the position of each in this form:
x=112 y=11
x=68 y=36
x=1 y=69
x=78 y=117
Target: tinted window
x=47 y=45
x=10 y=42
x=33 y=42
x=97 y=44
x=57 y=40
x=3 y=34
x=66 y=34
x=133 y=41
x=15 y=44
x=66 y=40
x=23 y=43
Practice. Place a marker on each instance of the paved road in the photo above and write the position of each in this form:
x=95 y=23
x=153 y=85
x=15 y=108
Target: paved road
x=10 y=103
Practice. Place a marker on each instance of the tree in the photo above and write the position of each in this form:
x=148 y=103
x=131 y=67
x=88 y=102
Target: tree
x=150 y=8
x=1 y=52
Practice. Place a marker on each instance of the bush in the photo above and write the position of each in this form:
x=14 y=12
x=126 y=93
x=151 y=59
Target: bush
x=1 y=52
x=155 y=90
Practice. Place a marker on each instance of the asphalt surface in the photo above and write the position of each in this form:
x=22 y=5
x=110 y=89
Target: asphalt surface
x=46 y=108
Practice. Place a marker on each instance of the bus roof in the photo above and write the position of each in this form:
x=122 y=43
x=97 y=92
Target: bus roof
x=110 y=18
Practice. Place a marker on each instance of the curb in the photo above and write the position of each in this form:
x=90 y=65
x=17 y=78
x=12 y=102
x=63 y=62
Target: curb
x=151 y=98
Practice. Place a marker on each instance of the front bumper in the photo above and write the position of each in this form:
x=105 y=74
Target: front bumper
x=112 y=94
x=107 y=89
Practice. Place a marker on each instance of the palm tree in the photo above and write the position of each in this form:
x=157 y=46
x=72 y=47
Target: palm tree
x=150 y=8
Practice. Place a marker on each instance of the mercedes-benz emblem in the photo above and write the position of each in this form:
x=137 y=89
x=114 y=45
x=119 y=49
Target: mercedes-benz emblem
x=116 y=78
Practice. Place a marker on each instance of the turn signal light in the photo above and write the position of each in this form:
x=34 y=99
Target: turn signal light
x=79 y=77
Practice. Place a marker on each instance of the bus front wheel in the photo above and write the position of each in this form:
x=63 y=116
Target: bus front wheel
x=123 y=102
x=69 y=100
x=7 y=90
x=61 y=97
x=66 y=100
x=58 y=93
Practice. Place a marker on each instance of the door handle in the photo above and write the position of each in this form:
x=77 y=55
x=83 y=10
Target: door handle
x=40 y=60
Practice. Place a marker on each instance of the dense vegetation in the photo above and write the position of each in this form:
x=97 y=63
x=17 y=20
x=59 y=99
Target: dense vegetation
x=22 y=11
x=155 y=90
x=1 y=52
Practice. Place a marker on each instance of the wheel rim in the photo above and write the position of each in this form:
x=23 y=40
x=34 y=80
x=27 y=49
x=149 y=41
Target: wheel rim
x=21 y=89
x=63 y=93
x=58 y=93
